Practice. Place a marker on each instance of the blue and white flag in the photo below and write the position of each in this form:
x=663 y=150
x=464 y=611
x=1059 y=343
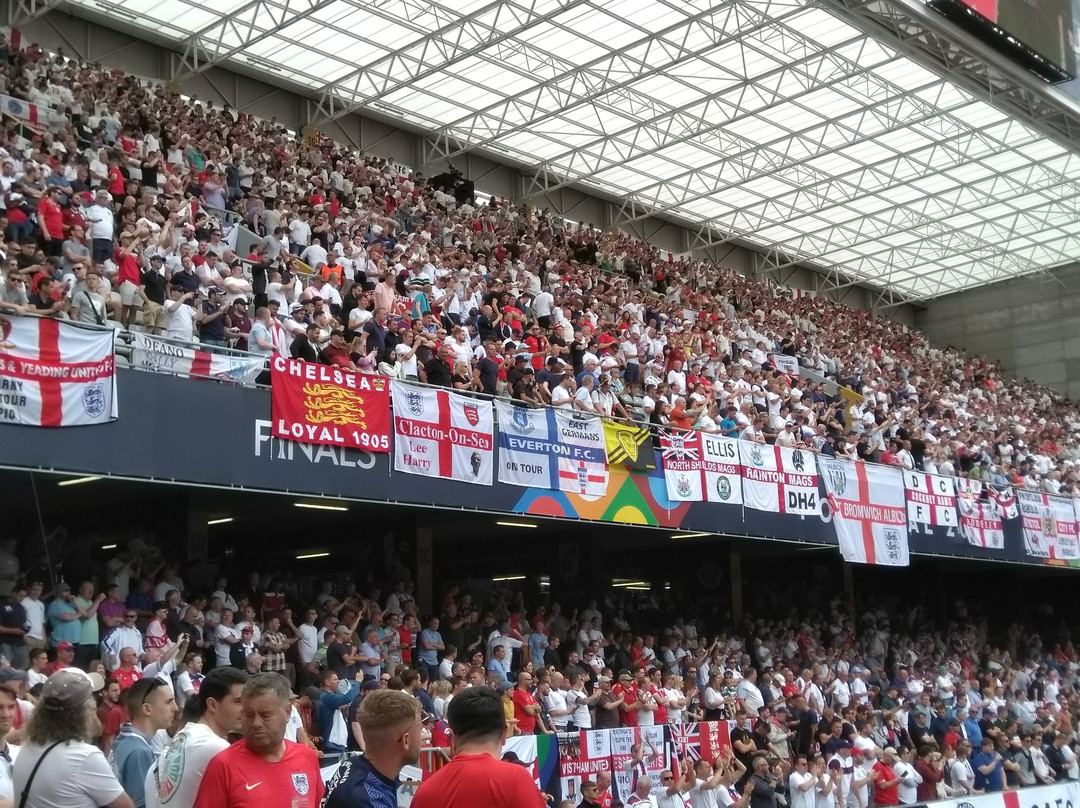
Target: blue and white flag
x=552 y=449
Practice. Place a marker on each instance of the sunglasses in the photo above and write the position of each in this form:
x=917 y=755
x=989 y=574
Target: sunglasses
x=154 y=685
x=130 y=616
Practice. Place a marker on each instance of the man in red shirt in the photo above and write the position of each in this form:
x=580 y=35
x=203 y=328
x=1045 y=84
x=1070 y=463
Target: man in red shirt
x=885 y=785
x=128 y=278
x=476 y=775
x=51 y=222
x=65 y=658
x=263 y=769
x=628 y=690
x=526 y=707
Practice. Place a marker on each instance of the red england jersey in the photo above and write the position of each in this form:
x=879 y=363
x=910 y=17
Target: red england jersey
x=468 y=781
x=238 y=778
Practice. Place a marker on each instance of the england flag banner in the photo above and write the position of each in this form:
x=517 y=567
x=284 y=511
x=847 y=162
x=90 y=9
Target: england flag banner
x=55 y=373
x=869 y=512
x=161 y=356
x=546 y=448
x=680 y=454
x=1049 y=526
x=1005 y=498
x=931 y=499
x=778 y=479
x=722 y=470
x=980 y=515
x=441 y=434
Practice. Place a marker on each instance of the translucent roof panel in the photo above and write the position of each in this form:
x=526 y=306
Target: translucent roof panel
x=770 y=121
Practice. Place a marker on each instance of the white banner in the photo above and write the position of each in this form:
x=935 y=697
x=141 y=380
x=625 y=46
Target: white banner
x=442 y=434
x=546 y=448
x=788 y=365
x=779 y=479
x=162 y=356
x=55 y=373
x=931 y=499
x=980 y=515
x=869 y=512
x=723 y=473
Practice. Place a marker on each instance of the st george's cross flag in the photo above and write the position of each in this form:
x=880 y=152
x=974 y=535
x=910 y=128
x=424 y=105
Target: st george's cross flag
x=931 y=499
x=442 y=434
x=980 y=515
x=869 y=512
x=55 y=373
x=1049 y=526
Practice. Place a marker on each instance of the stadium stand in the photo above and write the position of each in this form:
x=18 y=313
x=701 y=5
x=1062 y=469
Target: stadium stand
x=122 y=207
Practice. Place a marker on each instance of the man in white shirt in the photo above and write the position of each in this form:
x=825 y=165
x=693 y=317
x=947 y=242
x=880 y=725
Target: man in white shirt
x=308 y=637
x=705 y=779
x=908 y=787
x=179 y=317
x=173 y=779
x=35 y=617
x=801 y=785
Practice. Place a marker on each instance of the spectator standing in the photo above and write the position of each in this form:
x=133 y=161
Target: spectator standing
x=63 y=617
x=476 y=774
x=152 y=707
x=988 y=766
x=87 y=605
x=332 y=724
x=72 y=773
x=429 y=644
x=391 y=726
x=173 y=779
x=35 y=617
x=263 y=768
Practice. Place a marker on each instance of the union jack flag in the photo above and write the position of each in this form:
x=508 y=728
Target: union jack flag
x=680 y=446
x=685 y=741
x=1005 y=498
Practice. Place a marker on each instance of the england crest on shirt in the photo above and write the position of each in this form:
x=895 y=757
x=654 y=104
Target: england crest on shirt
x=300 y=783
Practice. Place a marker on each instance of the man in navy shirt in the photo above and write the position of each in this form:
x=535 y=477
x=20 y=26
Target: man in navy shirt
x=988 y=766
x=391 y=725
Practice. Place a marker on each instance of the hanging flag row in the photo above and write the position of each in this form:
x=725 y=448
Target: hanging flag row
x=449 y=435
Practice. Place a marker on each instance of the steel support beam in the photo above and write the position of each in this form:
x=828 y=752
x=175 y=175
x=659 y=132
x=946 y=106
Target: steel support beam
x=612 y=73
x=461 y=38
x=239 y=30
x=20 y=12
x=938 y=45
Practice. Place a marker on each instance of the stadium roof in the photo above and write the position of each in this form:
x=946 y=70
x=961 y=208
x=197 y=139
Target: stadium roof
x=771 y=121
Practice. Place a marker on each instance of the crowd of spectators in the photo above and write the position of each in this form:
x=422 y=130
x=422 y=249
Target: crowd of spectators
x=121 y=211
x=871 y=705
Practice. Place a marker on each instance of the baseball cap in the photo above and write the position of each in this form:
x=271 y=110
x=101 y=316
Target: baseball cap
x=890 y=750
x=11 y=675
x=65 y=646
x=66 y=690
x=789 y=690
x=62 y=587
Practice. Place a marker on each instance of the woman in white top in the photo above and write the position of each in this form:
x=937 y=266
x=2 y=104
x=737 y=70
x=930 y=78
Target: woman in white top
x=72 y=773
